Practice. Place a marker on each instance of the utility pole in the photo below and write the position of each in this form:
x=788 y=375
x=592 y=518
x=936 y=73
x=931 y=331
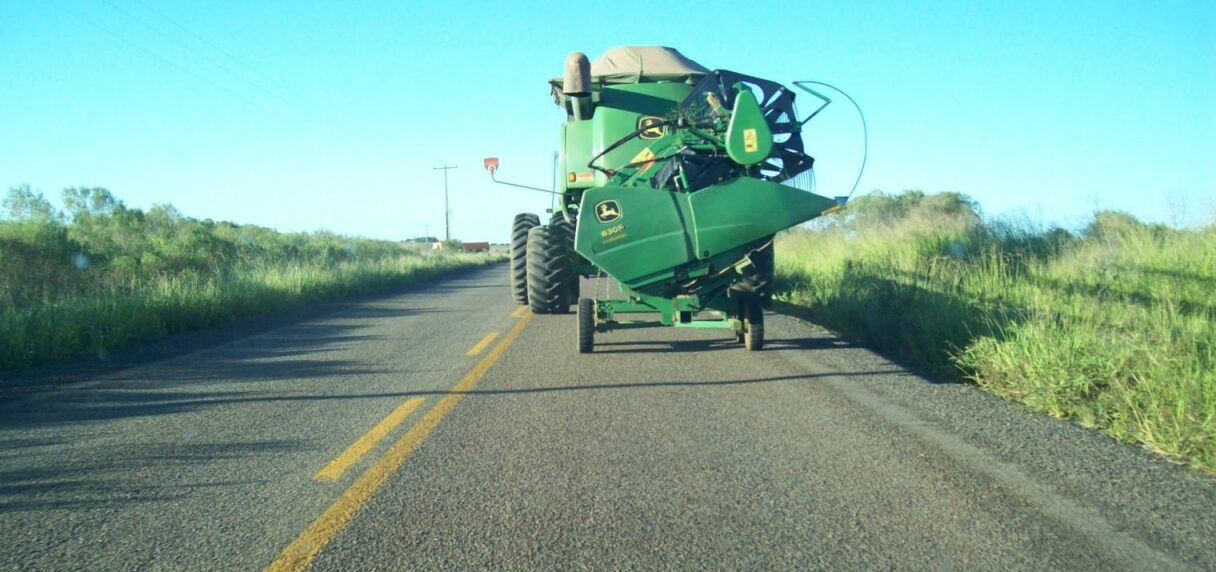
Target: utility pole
x=447 y=212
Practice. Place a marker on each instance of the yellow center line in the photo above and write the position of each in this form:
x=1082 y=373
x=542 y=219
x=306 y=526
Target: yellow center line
x=519 y=312
x=306 y=546
x=476 y=349
x=333 y=471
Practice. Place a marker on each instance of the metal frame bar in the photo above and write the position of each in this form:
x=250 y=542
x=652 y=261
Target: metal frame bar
x=825 y=99
x=495 y=179
x=668 y=310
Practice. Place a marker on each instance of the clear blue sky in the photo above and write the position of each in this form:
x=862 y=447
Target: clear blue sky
x=305 y=116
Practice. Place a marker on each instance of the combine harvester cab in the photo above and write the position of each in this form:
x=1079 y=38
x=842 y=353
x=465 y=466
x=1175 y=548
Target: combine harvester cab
x=673 y=183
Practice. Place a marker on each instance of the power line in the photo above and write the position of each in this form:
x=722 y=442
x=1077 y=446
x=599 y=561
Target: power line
x=212 y=45
x=201 y=78
x=159 y=58
x=291 y=94
x=285 y=94
x=190 y=49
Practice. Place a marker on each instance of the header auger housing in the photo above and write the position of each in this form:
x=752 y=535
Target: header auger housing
x=673 y=181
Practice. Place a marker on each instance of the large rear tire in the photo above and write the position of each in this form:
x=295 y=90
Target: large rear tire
x=548 y=267
x=586 y=325
x=565 y=230
x=519 y=255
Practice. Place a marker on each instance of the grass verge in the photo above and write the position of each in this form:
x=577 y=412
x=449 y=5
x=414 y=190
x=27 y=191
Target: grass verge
x=101 y=321
x=101 y=275
x=1114 y=327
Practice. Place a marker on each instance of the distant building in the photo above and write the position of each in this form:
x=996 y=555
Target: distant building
x=475 y=247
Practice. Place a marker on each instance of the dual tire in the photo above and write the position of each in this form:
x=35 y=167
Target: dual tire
x=518 y=252
x=542 y=275
x=564 y=230
x=548 y=267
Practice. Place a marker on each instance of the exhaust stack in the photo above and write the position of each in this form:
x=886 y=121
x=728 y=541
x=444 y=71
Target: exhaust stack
x=576 y=85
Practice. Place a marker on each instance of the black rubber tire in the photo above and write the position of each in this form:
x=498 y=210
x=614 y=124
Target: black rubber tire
x=518 y=253
x=557 y=217
x=565 y=229
x=586 y=325
x=753 y=325
x=548 y=267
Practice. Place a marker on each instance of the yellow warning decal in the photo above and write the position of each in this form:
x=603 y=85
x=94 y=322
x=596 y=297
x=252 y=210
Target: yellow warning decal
x=643 y=160
x=750 y=144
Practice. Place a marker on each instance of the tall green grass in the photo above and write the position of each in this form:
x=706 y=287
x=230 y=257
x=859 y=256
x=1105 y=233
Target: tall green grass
x=103 y=276
x=1114 y=327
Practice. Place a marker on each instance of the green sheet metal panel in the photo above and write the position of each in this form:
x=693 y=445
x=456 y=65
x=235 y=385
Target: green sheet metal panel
x=737 y=212
x=633 y=233
x=644 y=98
x=620 y=111
x=748 y=138
x=574 y=154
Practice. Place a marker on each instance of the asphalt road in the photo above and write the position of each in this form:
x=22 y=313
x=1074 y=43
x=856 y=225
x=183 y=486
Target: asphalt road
x=388 y=433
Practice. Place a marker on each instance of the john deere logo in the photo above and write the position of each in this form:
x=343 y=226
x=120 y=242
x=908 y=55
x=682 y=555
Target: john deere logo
x=652 y=127
x=607 y=211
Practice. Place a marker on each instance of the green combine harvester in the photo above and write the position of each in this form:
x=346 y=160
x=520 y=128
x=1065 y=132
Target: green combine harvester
x=673 y=181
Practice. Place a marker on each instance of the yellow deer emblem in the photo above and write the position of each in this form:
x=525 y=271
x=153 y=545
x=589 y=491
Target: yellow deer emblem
x=607 y=211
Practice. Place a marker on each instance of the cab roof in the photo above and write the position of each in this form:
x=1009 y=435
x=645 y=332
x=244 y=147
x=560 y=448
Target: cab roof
x=631 y=64
x=635 y=64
